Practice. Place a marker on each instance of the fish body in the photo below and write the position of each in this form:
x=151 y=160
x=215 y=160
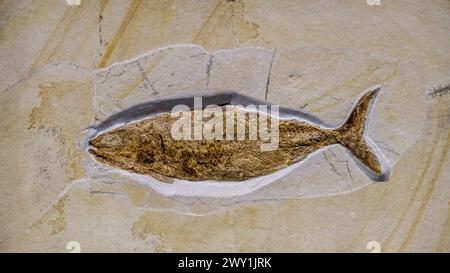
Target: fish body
x=146 y=146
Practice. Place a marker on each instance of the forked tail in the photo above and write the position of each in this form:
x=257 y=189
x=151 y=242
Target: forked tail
x=351 y=136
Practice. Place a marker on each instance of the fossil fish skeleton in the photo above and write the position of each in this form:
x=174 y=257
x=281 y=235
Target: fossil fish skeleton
x=139 y=140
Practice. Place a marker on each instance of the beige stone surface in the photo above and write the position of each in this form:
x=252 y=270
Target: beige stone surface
x=52 y=56
x=285 y=77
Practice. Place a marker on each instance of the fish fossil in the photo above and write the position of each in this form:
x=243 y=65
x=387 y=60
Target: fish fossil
x=139 y=140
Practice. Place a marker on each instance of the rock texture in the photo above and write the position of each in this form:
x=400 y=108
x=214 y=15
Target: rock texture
x=264 y=74
x=65 y=67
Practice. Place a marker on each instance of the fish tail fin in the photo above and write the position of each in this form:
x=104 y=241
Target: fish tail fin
x=351 y=136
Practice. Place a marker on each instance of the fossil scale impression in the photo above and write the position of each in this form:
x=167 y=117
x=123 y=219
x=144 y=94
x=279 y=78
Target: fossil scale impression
x=146 y=146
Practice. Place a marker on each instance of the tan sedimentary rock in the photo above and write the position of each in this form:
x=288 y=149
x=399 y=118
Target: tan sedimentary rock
x=41 y=212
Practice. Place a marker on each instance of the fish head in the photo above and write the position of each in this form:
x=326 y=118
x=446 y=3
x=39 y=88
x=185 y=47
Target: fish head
x=115 y=146
x=129 y=147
